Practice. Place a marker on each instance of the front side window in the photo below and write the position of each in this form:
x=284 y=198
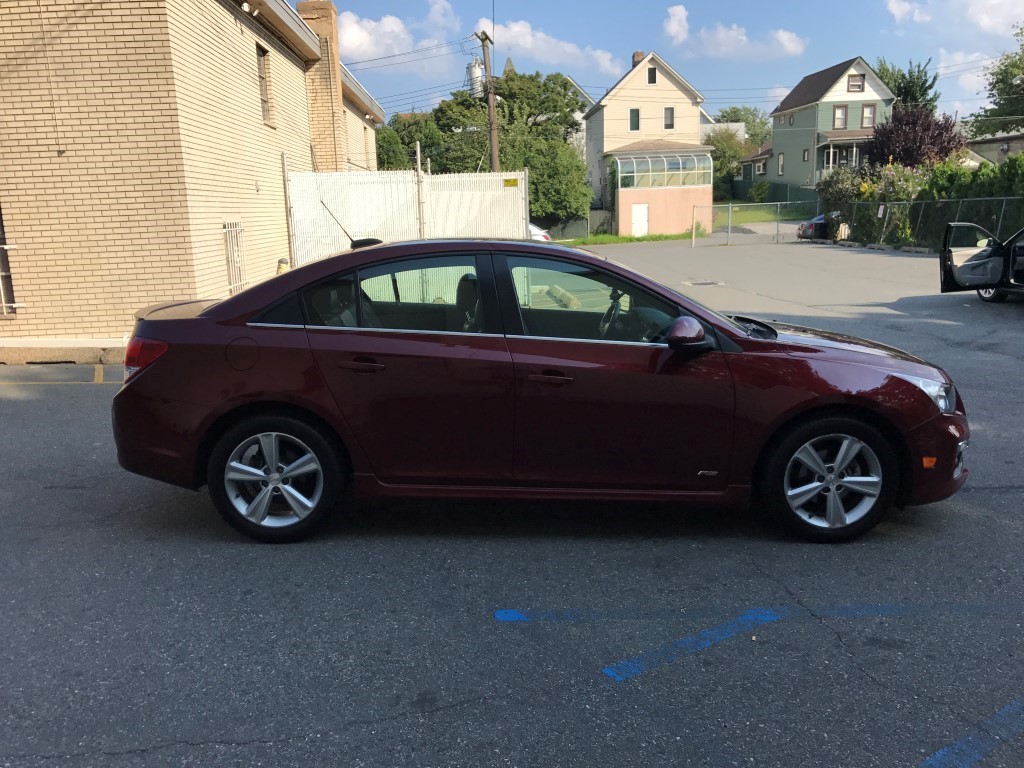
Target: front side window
x=670 y=118
x=634 y=119
x=561 y=300
x=868 y=116
x=839 y=117
x=439 y=294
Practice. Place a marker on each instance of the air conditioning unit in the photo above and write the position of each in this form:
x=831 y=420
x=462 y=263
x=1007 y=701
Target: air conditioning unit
x=1004 y=147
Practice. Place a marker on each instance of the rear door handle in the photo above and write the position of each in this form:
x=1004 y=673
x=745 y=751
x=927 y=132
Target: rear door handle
x=554 y=378
x=362 y=365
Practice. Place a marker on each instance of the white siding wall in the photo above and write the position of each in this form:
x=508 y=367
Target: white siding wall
x=873 y=88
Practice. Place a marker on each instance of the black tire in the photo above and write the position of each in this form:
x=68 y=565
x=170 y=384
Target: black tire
x=278 y=521
x=992 y=295
x=785 y=474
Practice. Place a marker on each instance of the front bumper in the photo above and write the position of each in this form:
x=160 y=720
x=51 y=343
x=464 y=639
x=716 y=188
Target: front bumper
x=937 y=460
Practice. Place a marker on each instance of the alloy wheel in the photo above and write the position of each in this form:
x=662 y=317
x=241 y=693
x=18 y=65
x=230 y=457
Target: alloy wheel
x=273 y=479
x=833 y=481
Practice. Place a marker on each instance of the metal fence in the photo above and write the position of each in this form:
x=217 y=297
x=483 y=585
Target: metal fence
x=402 y=205
x=234 y=250
x=921 y=224
x=749 y=223
x=7 y=305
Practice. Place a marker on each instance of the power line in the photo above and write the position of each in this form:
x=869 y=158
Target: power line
x=458 y=42
x=439 y=86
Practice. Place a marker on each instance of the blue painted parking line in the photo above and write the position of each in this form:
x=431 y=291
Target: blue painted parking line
x=1005 y=724
x=687 y=646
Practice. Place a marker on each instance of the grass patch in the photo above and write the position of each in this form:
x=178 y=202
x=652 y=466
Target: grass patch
x=768 y=212
x=616 y=239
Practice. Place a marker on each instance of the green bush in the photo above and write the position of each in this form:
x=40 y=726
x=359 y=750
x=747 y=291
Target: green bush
x=759 y=192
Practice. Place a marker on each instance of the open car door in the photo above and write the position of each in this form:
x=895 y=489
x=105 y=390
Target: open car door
x=971 y=258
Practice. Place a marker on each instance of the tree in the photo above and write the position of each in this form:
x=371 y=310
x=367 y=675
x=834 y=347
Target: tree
x=391 y=155
x=1007 y=111
x=913 y=136
x=759 y=124
x=726 y=150
x=418 y=126
x=536 y=118
x=913 y=86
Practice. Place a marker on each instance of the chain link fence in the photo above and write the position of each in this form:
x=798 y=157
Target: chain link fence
x=751 y=223
x=921 y=224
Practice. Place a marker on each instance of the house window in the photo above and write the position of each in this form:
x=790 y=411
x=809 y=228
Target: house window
x=867 y=119
x=807 y=155
x=780 y=120
x=7 y=305
x=782 y=157
x=759 y=168
x=670 y=118
x=652 y=75
x=839 y=117
x=855 y=83
x=634 y=119
x=262 y=66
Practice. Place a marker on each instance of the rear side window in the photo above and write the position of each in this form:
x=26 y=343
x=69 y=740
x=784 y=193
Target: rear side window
x=331 y=303
x=287 y=311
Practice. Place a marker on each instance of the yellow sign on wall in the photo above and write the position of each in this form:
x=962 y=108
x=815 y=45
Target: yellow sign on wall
x=511 y=182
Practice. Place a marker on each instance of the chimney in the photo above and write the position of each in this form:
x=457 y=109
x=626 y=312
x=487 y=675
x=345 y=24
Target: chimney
x=327 y=128
x=638 y=56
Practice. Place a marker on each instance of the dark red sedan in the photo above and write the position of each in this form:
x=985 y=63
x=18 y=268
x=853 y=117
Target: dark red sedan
x=522 y=370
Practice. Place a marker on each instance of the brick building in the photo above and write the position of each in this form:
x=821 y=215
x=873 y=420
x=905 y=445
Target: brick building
x=142 y=150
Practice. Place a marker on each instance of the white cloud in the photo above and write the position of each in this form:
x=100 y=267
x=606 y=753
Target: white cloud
x=958 y=65
x=995 y=16
x=519 y=38
x=902 y=10
x=442 y=18
x=732 y=42
x=367 y=39
x=676 y=25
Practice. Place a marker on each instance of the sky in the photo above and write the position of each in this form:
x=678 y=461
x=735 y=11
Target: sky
x=409 y=54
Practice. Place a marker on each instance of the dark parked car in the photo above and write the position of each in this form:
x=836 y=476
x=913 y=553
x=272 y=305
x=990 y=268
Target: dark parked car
x=815 y=229
x=972 y=259
x=522 y=370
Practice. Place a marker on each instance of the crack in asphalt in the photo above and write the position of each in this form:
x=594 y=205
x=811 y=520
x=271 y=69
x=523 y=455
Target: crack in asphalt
x=823 y=621
x=5 y=759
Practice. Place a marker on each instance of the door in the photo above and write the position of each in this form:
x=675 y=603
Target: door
x=639 y=219
x=971 y=258
x=601 y=401
x=413 y=364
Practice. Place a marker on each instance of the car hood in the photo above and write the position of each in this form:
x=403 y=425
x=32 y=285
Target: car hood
x=800 y=341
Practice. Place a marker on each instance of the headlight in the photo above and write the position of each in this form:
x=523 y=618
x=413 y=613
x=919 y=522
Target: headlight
x=942 y=394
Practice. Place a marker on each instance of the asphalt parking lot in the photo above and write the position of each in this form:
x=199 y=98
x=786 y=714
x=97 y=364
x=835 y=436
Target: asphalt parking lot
x=138 y=629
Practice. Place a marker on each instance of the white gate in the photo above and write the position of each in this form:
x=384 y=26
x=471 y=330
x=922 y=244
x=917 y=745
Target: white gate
x=402 y=205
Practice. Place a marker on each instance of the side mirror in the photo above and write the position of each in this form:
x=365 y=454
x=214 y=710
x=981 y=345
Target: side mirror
x=686 y=334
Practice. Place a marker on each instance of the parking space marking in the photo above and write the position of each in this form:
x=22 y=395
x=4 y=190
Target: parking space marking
x=687 y=646
x=97 y=375
x=1006 y=724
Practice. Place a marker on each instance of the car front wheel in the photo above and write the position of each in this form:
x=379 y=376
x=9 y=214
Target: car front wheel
x=991 y=294
x=274 y=478
x=831 y=479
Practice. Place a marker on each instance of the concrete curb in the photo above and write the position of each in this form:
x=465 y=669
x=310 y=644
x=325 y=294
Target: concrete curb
x=850 y=244
x=28 y=351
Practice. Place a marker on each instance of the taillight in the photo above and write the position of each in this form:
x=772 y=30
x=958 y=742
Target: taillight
x=140 y=354
x=546 y=236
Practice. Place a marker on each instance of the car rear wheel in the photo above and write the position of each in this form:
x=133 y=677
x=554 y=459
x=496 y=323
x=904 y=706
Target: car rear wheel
x=274 y=478
x=831 y=479
x=991 y=294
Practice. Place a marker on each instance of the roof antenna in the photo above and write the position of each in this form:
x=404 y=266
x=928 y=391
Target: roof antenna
x=353 y=244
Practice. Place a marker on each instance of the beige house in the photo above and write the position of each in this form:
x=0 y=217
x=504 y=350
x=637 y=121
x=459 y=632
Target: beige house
x=143 y=145
x=645 y=134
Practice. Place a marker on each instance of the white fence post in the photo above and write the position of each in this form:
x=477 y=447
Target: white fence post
x=693 y=227
x=728 y=230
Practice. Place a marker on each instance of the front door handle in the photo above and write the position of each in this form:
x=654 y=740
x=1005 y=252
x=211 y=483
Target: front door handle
x=362 y=365
x=554 y=378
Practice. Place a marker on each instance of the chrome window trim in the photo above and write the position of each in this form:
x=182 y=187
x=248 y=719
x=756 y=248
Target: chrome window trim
x=660 y=344
x=401 y=330
x=273 y=325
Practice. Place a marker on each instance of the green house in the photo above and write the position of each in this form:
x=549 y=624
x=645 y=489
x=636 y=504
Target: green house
x=824 y=123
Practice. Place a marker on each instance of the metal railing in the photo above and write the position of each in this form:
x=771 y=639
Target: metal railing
x=234 y=248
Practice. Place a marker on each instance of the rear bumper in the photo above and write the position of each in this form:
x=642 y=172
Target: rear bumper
x=156 y=438
x=943 y=439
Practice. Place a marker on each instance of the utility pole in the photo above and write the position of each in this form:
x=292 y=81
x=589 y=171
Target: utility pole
x=492 y=115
